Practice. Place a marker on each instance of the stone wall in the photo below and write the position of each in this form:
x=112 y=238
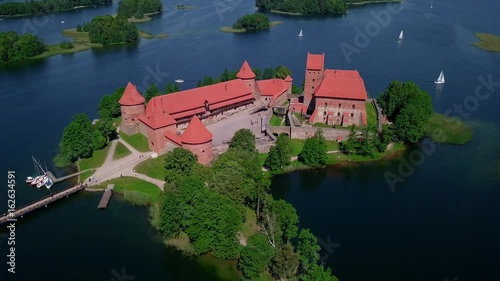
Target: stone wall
x=328 y=133
x=203 y=151
x=338 y=107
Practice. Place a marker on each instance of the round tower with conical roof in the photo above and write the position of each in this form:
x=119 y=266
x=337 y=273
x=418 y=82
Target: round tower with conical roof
x=246 y=74
x=132 y=106
x=198 y=139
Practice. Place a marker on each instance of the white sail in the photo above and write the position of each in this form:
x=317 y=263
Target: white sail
x=440 y=79
x=401 y=35
x=300 y=34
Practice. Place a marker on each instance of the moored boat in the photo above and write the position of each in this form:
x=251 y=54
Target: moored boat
x=29 y=180
x=49 y=183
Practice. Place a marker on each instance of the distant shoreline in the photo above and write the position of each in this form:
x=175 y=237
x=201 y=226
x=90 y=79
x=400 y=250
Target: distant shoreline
x=373 y=2
x=50 y=12
x=228 y=29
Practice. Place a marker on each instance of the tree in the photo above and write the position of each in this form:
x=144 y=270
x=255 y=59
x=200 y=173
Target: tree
x=314 y=151
x=169 y=224
x=151 y=92
x=137 y=8
x=108 y=106
x=178 y=163
x=243 y=139
x=98 y=140
x=285 y=261
x=269 y=73
x=282 y=72
x=408 y=107
x=318 y=273
x=76 y=141
x=171 y=88
x=253 y=22
x=108 y=30
x=308 y=249
x=256 y=256
x=225 y=76
x=208 y=80
x=296 y=90
x=106 y=128
x=15 y=47
x=279 y=154
x=287 y=219
x=257 y=73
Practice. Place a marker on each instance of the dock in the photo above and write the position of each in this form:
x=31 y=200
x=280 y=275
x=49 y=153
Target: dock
x=56 y=180
x=106 y=197
x=42 y=202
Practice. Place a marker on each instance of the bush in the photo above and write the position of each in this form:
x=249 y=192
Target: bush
x=66 y=45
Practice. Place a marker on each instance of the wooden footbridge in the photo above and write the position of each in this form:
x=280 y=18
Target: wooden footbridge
x=42 y=202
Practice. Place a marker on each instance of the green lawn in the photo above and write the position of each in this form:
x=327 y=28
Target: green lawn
x=121 y=151
x=262 y=158
x=250 y=226
x=136 y=191
x=371 y=114
x=137 y=141
x=95 y=161
x=299 y=116
x=322 y=125
x=275 y=120
x=298 y=144
x=154 y=168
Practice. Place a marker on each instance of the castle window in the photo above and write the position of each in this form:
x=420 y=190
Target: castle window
x=353 y=106
x=324 y=112
x=313 y=87
x=152 y=144
x=338 y=113
x=313 y=80
x=352 y=114
x=326 y=104
x=133 y=119
x=202 y=151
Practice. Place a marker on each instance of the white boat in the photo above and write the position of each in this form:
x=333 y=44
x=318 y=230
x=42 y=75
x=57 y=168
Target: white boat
x=42 y=182
x=401 y=35
x=440 y=79
x=37 y=180
x=62 y=21
x=300 y=33
x=431 y=4
x=179 y=81
x=49 y=183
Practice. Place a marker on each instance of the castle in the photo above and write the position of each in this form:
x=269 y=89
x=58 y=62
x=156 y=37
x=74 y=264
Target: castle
x=334 y=97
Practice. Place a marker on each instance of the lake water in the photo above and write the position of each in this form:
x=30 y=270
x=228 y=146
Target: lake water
x=441 y=222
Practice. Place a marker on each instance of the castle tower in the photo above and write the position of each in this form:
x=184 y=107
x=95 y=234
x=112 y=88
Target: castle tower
x=289 y=80
x=246 y=74
x=315 y=67
x=198 y=139
x=131 y=106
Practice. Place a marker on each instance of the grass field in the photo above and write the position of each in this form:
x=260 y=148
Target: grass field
x=275 y=121
x=81 y=42
x=489 y=42
x=371 y=114
x=297 y=146
x=154 y=168
x=95 y=161
x=250 y=226
x=121 y=151
x=137 y=141
x=135 y=191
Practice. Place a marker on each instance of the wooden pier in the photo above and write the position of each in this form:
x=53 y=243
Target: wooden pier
x=56 y=180
x=44 y=201
x=106 y=197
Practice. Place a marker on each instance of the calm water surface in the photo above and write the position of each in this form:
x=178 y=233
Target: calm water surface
x=440 y=223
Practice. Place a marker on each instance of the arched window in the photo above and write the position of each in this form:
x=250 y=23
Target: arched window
x=353 y=106
x=340 y=105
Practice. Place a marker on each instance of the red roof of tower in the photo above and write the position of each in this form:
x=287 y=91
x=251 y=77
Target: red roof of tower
x=131 y=96
x=245 y=72
x=288 y=78
x=342 y=84
x=155 y=116
x=315 y=62
x=196 y=132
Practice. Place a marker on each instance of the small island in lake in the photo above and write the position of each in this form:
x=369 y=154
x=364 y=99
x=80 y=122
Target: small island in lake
x=248 y=23
x=139 y=11
x=489 y=42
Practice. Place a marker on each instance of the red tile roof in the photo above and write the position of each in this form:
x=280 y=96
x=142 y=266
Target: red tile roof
x=342 y=84
x=245 y=72
x=155 y=117
x=272 y=87
x=131 y=96
x=196 y=132
x=315 y=62
x=189 y=102
x=288 y=78
x=173 y=137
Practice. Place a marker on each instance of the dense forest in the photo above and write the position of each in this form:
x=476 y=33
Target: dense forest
x=109 y=30
x=208 y=207
x=46 y=6
x=137 y=8
x=14 y=47
x=253 y=22
x=310 y=7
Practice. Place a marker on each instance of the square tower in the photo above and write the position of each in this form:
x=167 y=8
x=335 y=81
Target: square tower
x=315 y=67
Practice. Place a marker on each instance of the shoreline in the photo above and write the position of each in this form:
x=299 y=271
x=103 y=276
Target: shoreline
x=229 y=29
x=374 y=2
x=50 y=12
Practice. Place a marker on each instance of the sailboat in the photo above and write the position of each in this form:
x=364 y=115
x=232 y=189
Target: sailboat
x=300 y=34
x=401 y=35
x=440 y=79
x=431 y=4
x=49 y=183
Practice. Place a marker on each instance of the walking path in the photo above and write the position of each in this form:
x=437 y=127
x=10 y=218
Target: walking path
x=112 y=169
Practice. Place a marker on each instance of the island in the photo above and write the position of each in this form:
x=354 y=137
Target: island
x=312 y=7
x=18 y=9
x=139 y=11
x=489 y=42
x=249 y=23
